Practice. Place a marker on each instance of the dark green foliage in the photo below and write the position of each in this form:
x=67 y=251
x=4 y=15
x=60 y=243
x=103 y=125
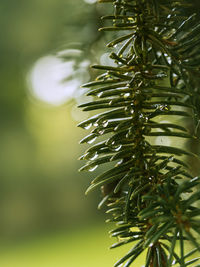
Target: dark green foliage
x=150 y=191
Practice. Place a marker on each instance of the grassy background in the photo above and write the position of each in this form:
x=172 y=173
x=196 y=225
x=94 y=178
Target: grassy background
x=86 y=247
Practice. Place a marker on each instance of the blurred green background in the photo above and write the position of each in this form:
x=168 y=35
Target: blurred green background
x=45 y=219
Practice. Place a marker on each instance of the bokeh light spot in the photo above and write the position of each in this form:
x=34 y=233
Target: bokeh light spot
x=55 y=80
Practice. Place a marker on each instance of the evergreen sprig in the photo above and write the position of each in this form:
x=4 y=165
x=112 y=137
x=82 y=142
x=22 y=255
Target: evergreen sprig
x=149 y=190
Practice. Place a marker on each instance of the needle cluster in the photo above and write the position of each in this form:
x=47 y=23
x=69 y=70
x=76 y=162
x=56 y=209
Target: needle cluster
x=149 y=92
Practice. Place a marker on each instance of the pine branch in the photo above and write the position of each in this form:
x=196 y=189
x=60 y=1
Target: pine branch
x=150 y=188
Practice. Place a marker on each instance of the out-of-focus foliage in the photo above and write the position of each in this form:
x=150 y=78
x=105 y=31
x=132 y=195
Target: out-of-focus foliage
x=40 y=188
x=60 y=249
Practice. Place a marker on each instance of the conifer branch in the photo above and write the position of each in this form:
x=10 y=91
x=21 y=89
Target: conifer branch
x=150 y=192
